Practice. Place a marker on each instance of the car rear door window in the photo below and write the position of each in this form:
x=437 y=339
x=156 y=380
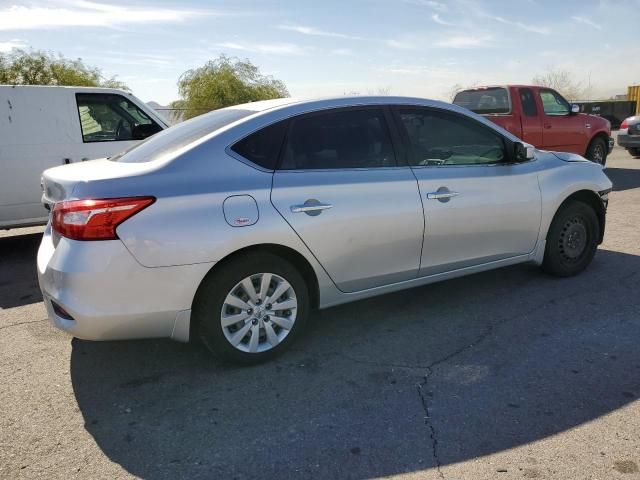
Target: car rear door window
x=352 y=138
x=112 y=118
x=263 y=147
x=553 y=103
x=439 y=138
x=528 y=102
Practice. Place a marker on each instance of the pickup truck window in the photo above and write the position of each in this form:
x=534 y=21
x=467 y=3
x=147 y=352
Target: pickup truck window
x=484 y=100
x=528 y=102
x=112 y=118
x=553 y=103
x=442 y=138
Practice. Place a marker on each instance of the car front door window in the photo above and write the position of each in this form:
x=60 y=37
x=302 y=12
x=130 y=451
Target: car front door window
x=553 y=104
x=443 y=138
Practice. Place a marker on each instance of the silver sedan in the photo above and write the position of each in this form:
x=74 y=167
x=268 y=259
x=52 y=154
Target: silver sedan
x=231 y=227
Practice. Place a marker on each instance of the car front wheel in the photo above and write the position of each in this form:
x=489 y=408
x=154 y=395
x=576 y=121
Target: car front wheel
x=572 y=240
x=251 y=309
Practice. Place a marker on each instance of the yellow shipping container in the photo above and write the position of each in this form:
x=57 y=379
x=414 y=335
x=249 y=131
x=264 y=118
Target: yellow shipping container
x=634 y=95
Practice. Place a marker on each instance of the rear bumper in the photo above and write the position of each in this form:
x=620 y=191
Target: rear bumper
x=629 y=141
x=97 y=291
x=611 y=143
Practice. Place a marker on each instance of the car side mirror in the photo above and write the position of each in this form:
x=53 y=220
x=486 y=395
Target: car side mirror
x=575 y=108
x=524 y=152
x=144 y=130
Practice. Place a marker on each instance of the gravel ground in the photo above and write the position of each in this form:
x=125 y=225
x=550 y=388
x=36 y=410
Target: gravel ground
x=508 y=374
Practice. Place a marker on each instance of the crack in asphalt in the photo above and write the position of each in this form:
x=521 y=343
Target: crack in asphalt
x=478 y=340
x=22 y=323
x=427 y=421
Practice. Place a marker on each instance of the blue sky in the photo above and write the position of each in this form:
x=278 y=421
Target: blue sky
x=331 y=47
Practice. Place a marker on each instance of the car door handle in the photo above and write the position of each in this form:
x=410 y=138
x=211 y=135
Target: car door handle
x=441 y=195
x=547 y=126
x=311 y=207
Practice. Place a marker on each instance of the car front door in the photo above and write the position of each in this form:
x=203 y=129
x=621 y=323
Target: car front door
x=341 y=189
x=478 y=206
x=561 y=130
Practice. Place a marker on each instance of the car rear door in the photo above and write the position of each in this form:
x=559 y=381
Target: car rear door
x=342 y=190
x=562 y=130
x=530 y=118
x=478 y=207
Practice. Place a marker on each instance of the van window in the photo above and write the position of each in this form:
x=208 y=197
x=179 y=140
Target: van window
x=484 y=100
x=112 y=118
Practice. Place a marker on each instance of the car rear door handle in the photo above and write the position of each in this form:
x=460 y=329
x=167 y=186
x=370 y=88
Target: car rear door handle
x=311 y=207
x=441 y=195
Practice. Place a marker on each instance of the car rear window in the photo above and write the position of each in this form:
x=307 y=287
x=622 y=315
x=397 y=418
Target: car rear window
x=167 y=142
x=484 y=100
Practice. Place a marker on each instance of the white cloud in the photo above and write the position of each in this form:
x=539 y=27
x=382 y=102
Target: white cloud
x=305 y=30
x=524 y=26
x=82 y=13
x=586 y=21
x=439 y=6
x=465 y=41
x=436 y=18
x=6 y=47
x=341 y=51
x=268 y=48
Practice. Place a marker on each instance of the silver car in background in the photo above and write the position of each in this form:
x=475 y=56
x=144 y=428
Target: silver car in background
x=232 y=226
x=629 y=135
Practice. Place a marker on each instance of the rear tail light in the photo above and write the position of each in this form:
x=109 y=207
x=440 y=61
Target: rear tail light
x=95 y=219
x=624 y=124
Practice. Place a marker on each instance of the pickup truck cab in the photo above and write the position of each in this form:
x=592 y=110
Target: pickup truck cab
x=43 y=127
x=542 y=117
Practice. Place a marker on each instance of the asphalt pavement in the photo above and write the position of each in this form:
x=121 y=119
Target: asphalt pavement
x=508 y=374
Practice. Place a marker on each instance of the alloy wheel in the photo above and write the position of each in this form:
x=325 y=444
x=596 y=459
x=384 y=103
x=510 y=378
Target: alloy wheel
x=259 y=312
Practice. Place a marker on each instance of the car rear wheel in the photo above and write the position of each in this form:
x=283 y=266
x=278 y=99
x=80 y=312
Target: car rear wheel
x=572 y=240
x=251 y=309
x=635 y=152
x=597 y=151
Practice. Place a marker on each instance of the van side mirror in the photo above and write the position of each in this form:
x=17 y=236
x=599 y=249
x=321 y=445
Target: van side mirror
x=523 y=152
x=144 y=130
x=575 y=108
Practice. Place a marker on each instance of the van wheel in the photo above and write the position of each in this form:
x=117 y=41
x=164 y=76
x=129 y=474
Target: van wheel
x=572 y=240
x=251 y=309
x=597 y=151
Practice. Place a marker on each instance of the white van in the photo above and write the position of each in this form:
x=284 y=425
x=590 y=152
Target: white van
x=42 y=127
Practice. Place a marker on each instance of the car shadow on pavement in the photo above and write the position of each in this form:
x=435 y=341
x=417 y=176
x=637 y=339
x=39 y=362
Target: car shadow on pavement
x=18 y=270
x=399 y=383
x=623 y=178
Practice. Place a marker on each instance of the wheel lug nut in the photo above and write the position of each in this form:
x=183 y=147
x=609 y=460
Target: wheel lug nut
x=266 y=318
x=269 y=306
x=258 y=302
x=254 y=321
x=249 y=311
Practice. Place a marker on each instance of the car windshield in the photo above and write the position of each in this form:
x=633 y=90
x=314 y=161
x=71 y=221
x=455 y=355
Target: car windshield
x=485 y=100
x=167 y=142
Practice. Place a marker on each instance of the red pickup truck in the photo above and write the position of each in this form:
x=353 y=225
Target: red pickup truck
x=542 y=117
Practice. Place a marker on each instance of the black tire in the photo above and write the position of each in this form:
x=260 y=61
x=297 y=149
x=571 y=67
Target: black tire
x=218 y=283
x=634 y=152
x=597 y=151
x=572 y=240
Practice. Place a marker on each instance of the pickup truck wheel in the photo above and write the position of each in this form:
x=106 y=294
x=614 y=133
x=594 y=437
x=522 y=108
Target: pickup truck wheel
x=597 y=151
x=572 y=240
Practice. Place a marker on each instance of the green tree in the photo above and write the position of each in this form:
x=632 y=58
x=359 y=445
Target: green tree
x=224 y=82
x=22 y=67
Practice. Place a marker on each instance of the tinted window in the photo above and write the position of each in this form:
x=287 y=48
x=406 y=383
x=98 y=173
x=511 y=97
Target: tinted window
x=484 y=100
x=528 y=102
x=339 y=139
x=553 y=103
x=169 y=141
x=441 y=138
x=263 y=146
x=111 y=118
